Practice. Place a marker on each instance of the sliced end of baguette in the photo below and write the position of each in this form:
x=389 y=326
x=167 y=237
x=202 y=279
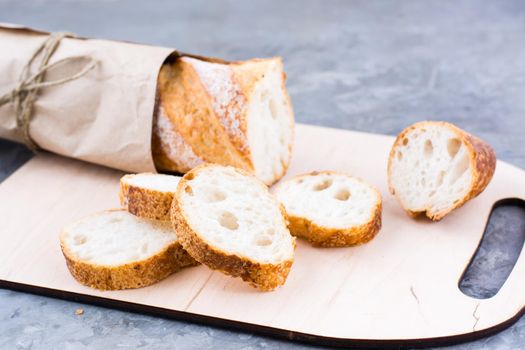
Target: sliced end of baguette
x=269 y=115
x=115 y=250
x=331 y=209
x=236 y=114
x=148 y=195
x=227 y=220
x=435 y=167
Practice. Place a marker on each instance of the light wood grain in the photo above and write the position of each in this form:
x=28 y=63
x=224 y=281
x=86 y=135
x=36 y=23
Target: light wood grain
x=401 y=285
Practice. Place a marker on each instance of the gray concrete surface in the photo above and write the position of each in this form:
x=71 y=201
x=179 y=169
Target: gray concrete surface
x=364 y=65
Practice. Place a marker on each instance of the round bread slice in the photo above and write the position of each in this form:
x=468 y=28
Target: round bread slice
x=227 y=220
x=116 y=250
x=148 y=195
x=435 y=167
x=331 y=209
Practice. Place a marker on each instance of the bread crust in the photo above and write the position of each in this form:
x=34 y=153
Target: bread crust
x=127 y=276
x=183 y=94
x=264 y=276
x=215 y=134
x=144 y=202
x=330 y=237
x=482 y=159
x=166 y=141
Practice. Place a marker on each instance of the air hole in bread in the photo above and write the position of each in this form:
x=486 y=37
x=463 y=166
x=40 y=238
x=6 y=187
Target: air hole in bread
x=405 y=141
x=265 y=96
x=342 y=195
x=299 y=181
x=460 y=168
x=440 y=178
x=80 y=239
x=270 y=231
x=263 y=240
x=323 y=185
x=432 y=193
x=229 y=220
x=114 y=220
x=216 y=196
x=188 y=190
x=428 y=149
x=453 y=146
x=274 y=109
x=276 y=168
x=189 y=177
x=399 y=155
x=423 y=182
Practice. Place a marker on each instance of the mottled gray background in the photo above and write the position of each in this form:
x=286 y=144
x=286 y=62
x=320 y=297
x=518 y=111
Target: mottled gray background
x=364 y=65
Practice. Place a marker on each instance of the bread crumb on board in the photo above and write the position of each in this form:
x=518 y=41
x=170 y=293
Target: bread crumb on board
x=79 y=312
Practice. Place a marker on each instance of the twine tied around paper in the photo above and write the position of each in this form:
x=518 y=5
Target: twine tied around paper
x=24 y=95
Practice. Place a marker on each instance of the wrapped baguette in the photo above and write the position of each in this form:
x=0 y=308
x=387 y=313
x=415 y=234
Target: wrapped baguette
x=141 y=108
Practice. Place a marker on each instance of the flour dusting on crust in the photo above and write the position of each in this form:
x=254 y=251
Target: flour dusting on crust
x=228 y=100
x=173 y=145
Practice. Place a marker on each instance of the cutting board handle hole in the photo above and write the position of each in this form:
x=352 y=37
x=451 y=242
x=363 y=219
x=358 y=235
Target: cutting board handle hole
x=498 y=251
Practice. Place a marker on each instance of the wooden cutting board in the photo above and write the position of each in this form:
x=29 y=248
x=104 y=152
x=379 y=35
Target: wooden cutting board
x=399 y=289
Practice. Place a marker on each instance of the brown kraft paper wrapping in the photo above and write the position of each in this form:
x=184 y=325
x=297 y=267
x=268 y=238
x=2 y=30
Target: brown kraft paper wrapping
x=104 y=117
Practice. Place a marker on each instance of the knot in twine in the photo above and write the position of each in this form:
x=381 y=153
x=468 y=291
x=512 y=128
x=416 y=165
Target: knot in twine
x=25 y=93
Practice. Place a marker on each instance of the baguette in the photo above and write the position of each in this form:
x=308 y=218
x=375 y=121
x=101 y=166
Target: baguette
x=115 y=250
x=227 y=220
x=148 y=195
x=331 y=209
x=435 y=167
x=236 y=114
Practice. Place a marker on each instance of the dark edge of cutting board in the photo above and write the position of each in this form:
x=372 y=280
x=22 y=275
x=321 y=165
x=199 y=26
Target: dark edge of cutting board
x=258 y=329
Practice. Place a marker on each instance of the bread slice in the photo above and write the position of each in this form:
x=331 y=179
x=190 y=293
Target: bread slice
x=116 y=250
x=331 y=209
x=148 y=195
x=435 y=167
x=227 y=220
x=236 y=114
